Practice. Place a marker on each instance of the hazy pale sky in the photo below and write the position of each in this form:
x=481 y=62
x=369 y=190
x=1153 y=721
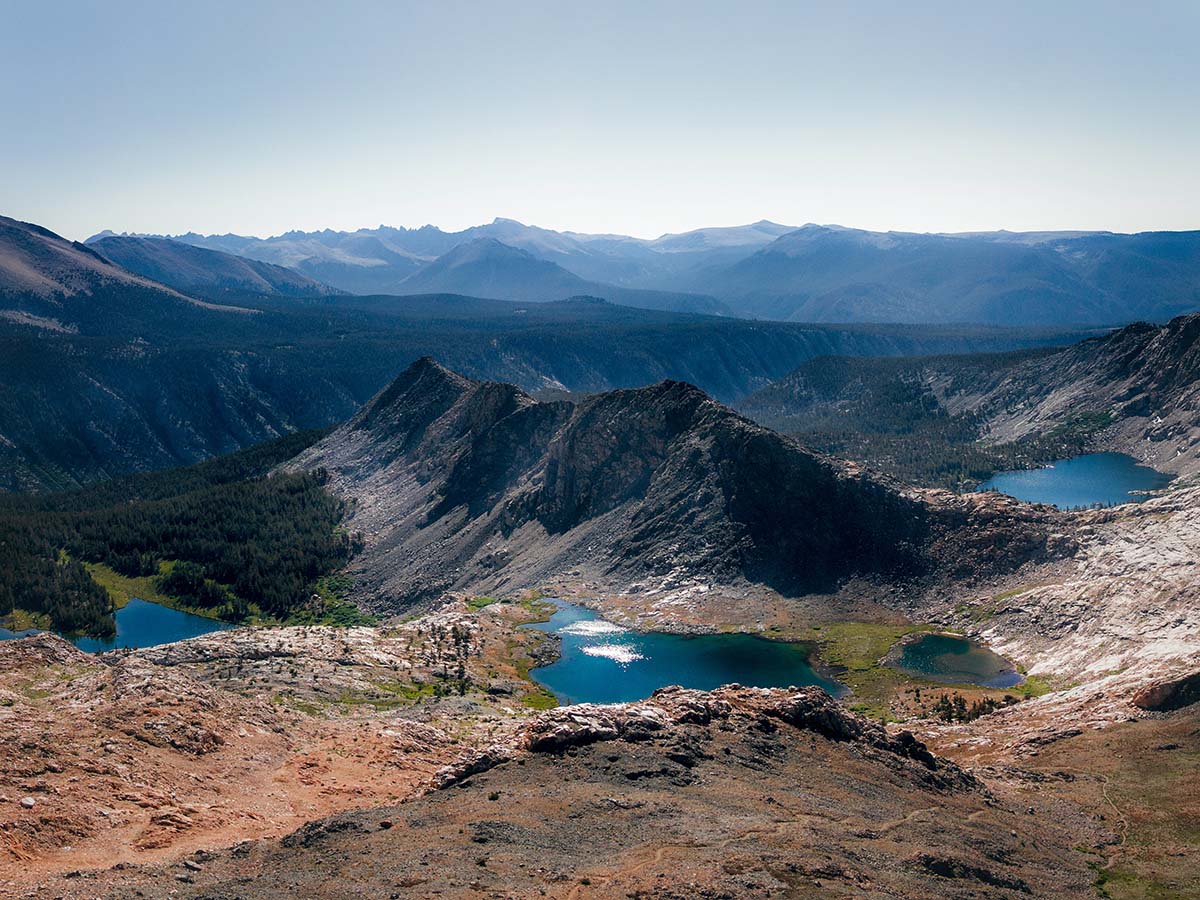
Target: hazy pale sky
x=639 y=118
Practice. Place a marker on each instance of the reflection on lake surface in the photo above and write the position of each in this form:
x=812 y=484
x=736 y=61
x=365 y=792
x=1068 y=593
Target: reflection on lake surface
x=142 y=624
x=953 y=659
x=1104 y=478
x=604 y=663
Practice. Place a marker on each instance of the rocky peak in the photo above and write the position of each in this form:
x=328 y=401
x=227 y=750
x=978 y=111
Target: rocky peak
x=420 y=393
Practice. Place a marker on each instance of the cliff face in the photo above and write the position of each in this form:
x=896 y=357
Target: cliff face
x=466 y=485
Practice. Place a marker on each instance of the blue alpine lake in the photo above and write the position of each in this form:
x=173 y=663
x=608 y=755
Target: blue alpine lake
x=141 y=623
x=604 y=663
x=1104 y=478
x=953 y=659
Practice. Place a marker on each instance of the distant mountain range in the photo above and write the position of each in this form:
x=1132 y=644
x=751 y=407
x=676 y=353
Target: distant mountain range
x=825 y=274
x=765 y=270
x=379 y=260
x=485 y=267
x=105 y=371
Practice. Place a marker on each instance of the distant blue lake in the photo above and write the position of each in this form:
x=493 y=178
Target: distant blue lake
x=142 y=624
x=953 y=659
x=605 y=663
x=1106 y=478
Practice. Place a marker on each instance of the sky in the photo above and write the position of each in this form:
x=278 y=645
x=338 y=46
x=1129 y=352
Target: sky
x=636 y=118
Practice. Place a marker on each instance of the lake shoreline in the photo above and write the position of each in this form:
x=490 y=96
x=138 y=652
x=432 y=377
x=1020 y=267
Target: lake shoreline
x=600 y=661
x=1082 y=482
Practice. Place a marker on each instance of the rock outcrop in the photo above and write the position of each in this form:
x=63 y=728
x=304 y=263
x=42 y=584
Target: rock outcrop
x=1165 y=696
x=570 y=728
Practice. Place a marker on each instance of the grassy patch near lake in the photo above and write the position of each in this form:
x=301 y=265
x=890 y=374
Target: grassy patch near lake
x=23 y=620
x=539 y=698
x=122 y=588
x=334 y=608
x=853 y=650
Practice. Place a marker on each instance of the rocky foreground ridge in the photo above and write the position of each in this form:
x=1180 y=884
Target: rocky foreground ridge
x=569 y=728
x=735 y=793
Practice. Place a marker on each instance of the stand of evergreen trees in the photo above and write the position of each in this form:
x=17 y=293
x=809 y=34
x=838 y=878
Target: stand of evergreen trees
x=240 y=540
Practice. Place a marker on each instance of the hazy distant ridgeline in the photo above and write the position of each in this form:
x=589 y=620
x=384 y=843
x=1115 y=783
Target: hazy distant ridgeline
x=815 y=273
x=839 y=274
x=379 y=260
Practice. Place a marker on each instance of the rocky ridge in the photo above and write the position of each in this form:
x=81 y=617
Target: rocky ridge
x=464 y=485
x=734 y=793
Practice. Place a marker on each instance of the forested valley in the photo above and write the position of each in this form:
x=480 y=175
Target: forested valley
x=224 y=537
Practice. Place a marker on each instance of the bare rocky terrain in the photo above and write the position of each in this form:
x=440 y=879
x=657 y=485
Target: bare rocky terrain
x=210 y=768
x=730 y=794
x=414 y=759
x=134 y=757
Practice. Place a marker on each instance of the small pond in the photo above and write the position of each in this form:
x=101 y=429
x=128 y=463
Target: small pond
x=953 y=659
x=605 y=663
x=141 y=623
x=1104 y=478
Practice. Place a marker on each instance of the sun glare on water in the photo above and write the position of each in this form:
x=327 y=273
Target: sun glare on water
x=616 y=652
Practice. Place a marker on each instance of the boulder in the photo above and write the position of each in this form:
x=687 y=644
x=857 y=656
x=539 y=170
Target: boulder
x=1164 y=696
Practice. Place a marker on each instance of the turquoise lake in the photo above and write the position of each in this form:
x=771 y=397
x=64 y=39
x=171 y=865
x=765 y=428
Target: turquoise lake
x=142 y=624
x=605 y=663
x=957 y=660
x=1105 y=478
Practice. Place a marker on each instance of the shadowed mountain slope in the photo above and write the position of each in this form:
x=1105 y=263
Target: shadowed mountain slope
x=189 y=268
x=58 y=286
x=1133 y=390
